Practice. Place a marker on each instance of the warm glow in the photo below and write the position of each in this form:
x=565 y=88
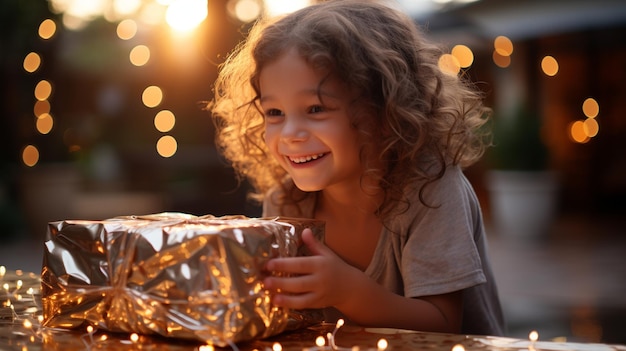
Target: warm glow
x=464 y=55
x=449 y=64
x=167 y=146
x=139 y=55
x=501 y=61
x=277 y=347
x=32 y=62
x=320 y=341
x=43 y=89
x=152 y=96
x=41 y=107
x=244 y=10
x=382 y=344
x=164 y=121
x=279 y=7
x=549 y=66
x=458 y=347
x=503 y=45
x=30 y=155
x=591 y=127
x=206 y=348
x=134 y=337
x=126 y=7
x=533 y=336
x=47 y=28
x=577 y=132
x=74 y=23
x=591 y=108
x=44 y=123
x=185 y=15
x=126 y=29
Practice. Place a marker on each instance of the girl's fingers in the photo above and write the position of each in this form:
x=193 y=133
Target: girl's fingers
x=293 y=285
x=294 y=265
x=316 y=246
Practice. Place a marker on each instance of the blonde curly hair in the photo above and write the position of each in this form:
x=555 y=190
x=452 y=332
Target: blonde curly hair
x=418 y=120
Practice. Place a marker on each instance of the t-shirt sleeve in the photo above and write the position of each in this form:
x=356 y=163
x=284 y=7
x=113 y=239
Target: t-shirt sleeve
x=440 y=255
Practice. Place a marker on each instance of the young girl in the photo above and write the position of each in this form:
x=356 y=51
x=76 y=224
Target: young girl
x=339 y=112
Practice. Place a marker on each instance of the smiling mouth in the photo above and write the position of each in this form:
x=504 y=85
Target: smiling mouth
x=305 y=159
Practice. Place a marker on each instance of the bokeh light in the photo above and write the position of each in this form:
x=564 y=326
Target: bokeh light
x=47 y=28
x=549 y=66
x=500 y=60
x=30 y=155
x=139 y=55
x=591 y=127
x=577 y=132
x=152 y=96
x=166 y=146
x=464 y=55
x=126 y=29
x=503 y=45
x=126 y=7
x=185 y=15
x=591 y=108
x=44 y=123
x=164 y=121
x=32 y=61
x=449 y=64
x=41 y=107
x=244 y=10
x=43 y=90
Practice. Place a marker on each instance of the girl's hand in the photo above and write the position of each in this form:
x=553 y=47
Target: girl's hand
x=316 y=281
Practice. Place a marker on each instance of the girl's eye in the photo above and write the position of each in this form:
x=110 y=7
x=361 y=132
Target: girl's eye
x=273 y=112
x=316 y=109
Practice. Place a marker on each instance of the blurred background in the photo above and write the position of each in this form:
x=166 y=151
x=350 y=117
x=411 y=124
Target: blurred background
x=102 y=115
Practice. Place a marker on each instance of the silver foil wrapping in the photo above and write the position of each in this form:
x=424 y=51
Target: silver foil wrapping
x=174 y=275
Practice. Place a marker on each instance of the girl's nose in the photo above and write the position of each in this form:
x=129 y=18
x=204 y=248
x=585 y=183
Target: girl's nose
x=294 y=129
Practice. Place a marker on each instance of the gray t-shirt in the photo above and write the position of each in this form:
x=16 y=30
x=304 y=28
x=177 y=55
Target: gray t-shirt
x=432 y=250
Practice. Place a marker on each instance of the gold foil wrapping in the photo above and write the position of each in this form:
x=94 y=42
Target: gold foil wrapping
x=174 y=275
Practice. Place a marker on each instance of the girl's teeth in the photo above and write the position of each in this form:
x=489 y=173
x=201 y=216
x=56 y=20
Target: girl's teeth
x=304 y=159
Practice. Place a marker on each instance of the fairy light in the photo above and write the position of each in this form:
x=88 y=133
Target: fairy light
x=533 y=336
x=382 y=344
x=320 y=341
x=27 y=324
x=134 y=337
x=3 y=271
x=277 y=347
x=458 y=347
x=206 y=348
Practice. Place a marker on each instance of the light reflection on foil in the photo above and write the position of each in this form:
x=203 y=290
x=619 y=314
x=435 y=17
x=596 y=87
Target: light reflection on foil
x=195 y=278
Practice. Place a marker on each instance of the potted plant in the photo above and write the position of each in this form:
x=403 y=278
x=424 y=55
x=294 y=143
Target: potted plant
x=522 y=188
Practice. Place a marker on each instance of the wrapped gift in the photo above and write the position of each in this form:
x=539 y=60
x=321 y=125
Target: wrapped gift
x=175 y=275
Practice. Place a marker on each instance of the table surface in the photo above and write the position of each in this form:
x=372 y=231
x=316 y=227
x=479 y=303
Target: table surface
x=21 y=308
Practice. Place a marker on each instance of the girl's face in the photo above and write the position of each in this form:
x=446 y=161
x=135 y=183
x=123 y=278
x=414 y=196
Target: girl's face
x=311 y=138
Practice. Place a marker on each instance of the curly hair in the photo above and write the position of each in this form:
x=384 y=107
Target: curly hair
x=419 y=119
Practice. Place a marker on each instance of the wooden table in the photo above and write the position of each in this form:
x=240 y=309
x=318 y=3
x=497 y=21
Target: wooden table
x=20 y=311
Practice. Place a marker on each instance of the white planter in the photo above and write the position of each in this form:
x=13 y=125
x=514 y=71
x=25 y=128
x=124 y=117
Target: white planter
x=523 y=203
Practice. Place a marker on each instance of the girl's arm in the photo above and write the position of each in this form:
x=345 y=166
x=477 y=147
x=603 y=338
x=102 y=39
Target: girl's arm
x=324 y=280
